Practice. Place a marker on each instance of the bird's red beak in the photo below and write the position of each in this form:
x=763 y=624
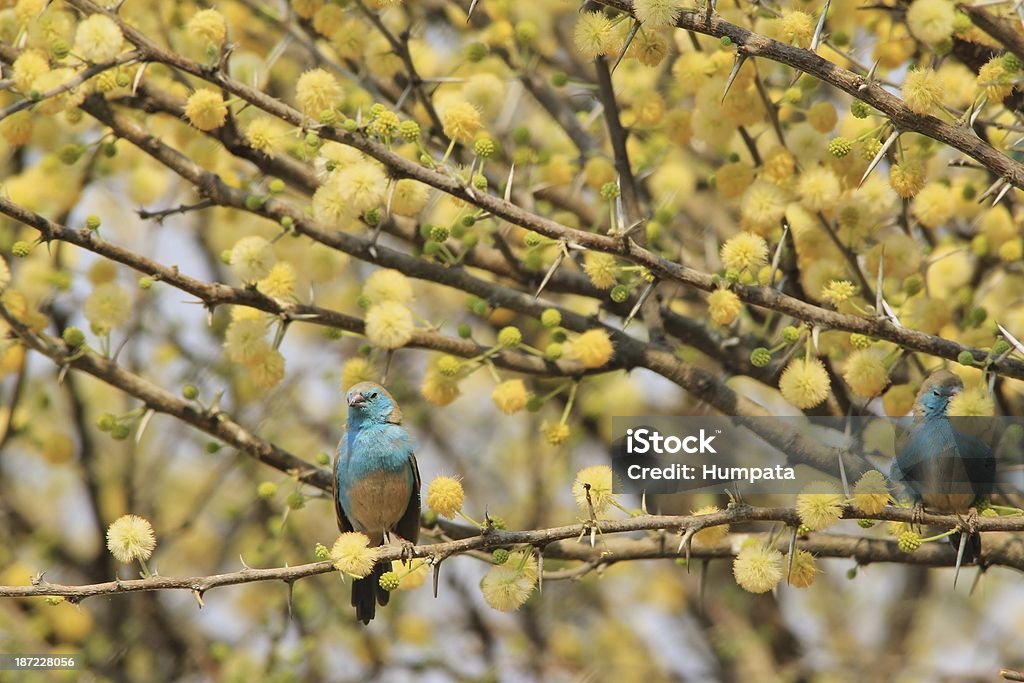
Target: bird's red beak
x=357 y=399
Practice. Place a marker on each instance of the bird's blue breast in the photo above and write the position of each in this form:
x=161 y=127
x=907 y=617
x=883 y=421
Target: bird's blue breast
x=377 y=454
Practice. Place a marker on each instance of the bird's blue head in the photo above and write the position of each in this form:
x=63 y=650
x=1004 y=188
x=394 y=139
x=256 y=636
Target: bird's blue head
x=935 y=394
x=370 y=402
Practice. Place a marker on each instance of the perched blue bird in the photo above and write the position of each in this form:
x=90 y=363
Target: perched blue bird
x=943 y=468
x=376 y=483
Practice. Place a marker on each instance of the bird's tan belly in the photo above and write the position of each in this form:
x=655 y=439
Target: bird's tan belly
x=378 y=501
x=948 y=502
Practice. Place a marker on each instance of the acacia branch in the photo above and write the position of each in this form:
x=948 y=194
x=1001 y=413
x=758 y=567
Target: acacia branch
x=561 y=543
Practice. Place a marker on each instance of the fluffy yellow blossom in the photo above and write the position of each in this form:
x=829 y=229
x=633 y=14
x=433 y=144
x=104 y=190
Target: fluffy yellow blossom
x=822 y=116
x=507 y=586
x=601 y=482
x=899 y=400
x=131 y=538
x=356 y=370
x=804 y=383
x=818 y=189
x=461 y=122
x=995 y=80
x=797 y=28
x=98 y=39
x=266 y=370
x=17 y=128
x=819 y=505
x=265 y=134
x=922 y=91
x=555 y=433
x=907 y=178
x=245 y=339
x=804 y=570
x=972 y=402
x=732 y=179
x=206 y=109
x=762 y=206
x=365 y=184
x=388 y=284
x=779 y=165
x=593 y=348
x=30 y=65
x=439 y=388
x=279 y=282
x=934 y=205
x=649 y=48
x=838 y=291
x=871 y=492
x=316 y=92
x=209 y=26
x=601 y=269
x=865 y=373
x=657 y=14
x=352 y=554
x=108 y=306
x=389 y=325
x=251 y=258
x=757 y=568
x=510 y=396
x=724 y=306
x=709 y=537
x=445 y=496
x=594 y=35
x=931 y=21
x=744 y=252
x=409 y=197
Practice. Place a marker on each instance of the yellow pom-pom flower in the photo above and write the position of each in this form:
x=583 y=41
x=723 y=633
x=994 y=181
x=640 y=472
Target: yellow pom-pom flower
x=805 y=383
x=316 y=92
x=865 y=373
x=409 y=197
x=763 y=205
x=30 y=65
x=724 y=306
x=356 y=370
x=593 y=348
x=251 y=258
x=108 y=306
x=601 y=481
x=510 y=396
x=388 y=285
x=507 y=586
x=206 y=109
x=594 y=35
x=555 y=433
x=934 y=205
x=266 y=370
x=245 y=340
x=838 y=291
x=757 y=568
x=907 y=178
x=208 y=25
x=972 y=402
x=804 y=570
x=745 y=252
x=656 y=14
x=461 y=122
x=131 y=538
x=818 y=189
x=797 y=27
x=601 y=269
x=389 y=325
x=922 y=91
x=265 y=135
x=871 y=492
x=819 y=505
x=352 y=554
x=445 y=496
x=279 y=282
x=98 y=39
x=438 y=388
x=931 y=21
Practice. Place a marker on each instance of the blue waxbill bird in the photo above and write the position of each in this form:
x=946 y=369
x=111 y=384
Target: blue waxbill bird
x=376 y=483
x=943 y=469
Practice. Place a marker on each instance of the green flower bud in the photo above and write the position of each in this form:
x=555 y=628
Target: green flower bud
x=551 y=317
x=865 y=523
x=559 y=79
x=120 y=432
x=266 y=490
x=464 y=330
x=790 y=334
x=534 y=404
x=1000 y=347
x=409 y=131
x=21 y=249
x=553 y=351
x=106 y=422
x=146 y=282
x=619 y=293
x=92 y=221
x=510 y=337
x=760 y=357
x=373 y=217
x=323 y=459
x=909 y=541
x=860 y=110
x=296 y=501
x=73 y=337
x=610 y=190
x=276 y=186
x=484 y=148
x=389 y=581
x=532 y=239
x=439 y=233
x=190 y=392
x=500 y=556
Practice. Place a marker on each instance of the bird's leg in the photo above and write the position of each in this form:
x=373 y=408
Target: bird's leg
x=407 y=549
x=917 y=515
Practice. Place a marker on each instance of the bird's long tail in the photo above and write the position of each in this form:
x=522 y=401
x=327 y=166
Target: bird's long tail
x=367 y=593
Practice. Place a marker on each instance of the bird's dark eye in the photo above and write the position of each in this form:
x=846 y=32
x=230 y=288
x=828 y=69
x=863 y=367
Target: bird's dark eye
x=373 y=394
